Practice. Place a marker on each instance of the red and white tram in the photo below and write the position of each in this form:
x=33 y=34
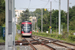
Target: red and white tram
x=26 y=28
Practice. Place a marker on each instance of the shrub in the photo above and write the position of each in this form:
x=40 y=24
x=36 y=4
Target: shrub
x=72 y=37
x=65 y=35
x=60 y=36
x=52 y=35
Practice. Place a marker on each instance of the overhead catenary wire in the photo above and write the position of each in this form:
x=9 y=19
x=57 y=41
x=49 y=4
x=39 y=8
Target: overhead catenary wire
x=42 y=4
x=29 y=3
x=47 y=3
x=38 y=5
x=55 y=0
x=44 y=0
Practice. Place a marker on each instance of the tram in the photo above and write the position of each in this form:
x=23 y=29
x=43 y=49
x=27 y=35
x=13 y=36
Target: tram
x=26 y=28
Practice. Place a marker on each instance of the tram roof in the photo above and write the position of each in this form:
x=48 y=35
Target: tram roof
x=28 y=22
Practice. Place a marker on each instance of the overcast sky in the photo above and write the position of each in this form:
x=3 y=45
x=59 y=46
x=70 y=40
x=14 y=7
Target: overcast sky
x=20 y=4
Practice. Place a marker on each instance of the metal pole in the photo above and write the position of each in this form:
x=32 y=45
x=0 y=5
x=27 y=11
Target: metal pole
x=6 y=29
x=50 y=17
x=32 y=23
x=9 y=33
x=13 y=23
x=59 y=16
x=37 y=22
x=68 y=16
x=56 y=24
x=41 y=20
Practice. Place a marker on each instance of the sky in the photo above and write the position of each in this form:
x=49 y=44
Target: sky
x=33 y=4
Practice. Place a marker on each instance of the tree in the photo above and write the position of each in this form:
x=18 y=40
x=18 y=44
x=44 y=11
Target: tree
x=71 y=12
x=72 y=18
x=2 y=6
x=55 y=16
x=72 y=23
x=24 y=16
x=46 y=19
x=2 y=12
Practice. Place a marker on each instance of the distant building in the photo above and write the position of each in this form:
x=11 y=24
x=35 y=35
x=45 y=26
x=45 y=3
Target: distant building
x=17 y=13
x=32 y=18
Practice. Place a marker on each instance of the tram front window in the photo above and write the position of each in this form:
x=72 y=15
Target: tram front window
x=27 y=28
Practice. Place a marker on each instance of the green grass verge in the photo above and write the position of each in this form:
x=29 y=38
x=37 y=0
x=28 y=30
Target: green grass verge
x=17 y=36
x=66 y=38
x=1 y=40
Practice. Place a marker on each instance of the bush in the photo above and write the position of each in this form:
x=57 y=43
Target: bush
x=18 y=26
x=52 y=35
x=60 y=36
x=72 y=37
x=65 y=35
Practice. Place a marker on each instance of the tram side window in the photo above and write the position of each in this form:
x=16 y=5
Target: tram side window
x=31 y=27
x=22 y=27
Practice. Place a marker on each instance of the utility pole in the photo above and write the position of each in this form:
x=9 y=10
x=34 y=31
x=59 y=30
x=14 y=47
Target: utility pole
x=37 y=22
x=50 y=17
x=68 y=16
x=41 y=20
x=9 y=38
x=59 y=16
x=56 y=24
x=32 y=23
x=13 y=23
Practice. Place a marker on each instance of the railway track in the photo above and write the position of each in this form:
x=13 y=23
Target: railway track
x=41 y=43
x=56 y=43
x=34 y=44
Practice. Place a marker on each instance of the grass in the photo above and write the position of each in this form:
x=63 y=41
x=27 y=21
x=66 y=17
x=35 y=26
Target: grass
x=1 y=39
x=17 y=36
x=55 y=36
x=18 y=48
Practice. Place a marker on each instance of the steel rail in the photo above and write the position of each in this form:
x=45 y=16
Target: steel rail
x=54 y=40
x=31 y=45
x=45 y=44
x=56 y=43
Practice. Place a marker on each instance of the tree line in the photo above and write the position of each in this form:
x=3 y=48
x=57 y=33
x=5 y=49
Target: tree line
x=46 y=18
x=55 y=19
